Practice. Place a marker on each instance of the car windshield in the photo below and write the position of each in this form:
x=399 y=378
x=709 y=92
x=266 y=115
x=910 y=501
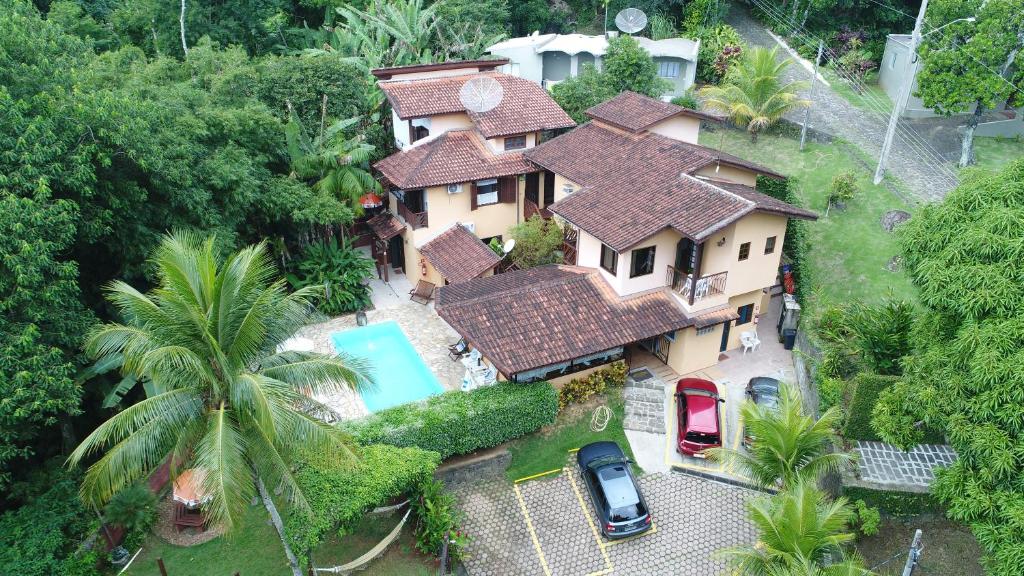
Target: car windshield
x=625 y=513
x=702 y=438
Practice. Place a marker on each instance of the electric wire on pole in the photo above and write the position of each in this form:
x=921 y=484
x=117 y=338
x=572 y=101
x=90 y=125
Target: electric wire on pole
x=914 y=554
x=810 y=95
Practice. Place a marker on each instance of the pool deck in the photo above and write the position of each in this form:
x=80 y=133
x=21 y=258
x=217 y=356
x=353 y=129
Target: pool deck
x=427 y=332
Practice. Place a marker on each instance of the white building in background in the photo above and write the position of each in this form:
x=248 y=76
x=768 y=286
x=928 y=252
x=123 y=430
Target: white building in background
x=547 y=59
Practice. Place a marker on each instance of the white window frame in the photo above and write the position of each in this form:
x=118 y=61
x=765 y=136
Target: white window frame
x=487 y=198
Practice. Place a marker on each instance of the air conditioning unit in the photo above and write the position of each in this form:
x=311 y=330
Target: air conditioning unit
x=454 y=188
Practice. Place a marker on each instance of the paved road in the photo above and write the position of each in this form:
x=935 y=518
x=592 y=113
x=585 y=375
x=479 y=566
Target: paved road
x=833 y=114
x=545 y=526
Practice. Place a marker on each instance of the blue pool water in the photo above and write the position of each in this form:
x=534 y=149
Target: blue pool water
x=399 y=373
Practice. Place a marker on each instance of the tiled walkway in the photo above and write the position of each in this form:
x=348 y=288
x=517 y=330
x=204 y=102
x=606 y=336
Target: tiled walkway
x=884 y=464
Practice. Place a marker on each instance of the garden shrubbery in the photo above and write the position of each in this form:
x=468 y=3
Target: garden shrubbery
x=578 y=390
x=795 y=244
x=340 y=495
x=866 y=388
x=461 y=422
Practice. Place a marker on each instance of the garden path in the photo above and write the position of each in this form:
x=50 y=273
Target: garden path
x=888 y=467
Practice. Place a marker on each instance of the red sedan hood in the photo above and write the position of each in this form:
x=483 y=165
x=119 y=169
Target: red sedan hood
x=701 y=414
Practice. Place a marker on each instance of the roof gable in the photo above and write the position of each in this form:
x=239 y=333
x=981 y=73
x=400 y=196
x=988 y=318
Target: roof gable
x=453 y=157
x=635 y=112
x=459 y=255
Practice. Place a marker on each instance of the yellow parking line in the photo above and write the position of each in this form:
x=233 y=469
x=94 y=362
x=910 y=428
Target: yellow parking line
x=524 y=479
x=593 y=527
x=571 y=450
x=533 y=534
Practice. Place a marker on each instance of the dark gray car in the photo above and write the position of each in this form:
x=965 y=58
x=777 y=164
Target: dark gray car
x=763 y=391
x=621 y=509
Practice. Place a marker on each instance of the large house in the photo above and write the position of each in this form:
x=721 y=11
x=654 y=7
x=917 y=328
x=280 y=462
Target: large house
x=675 y=251
x=460 y=177
x=547 y=59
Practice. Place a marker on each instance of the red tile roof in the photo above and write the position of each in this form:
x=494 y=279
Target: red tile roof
x=453 y=157
x=531 y=318
x=634 y=112
x=766 y=203
x=385 y=225
x=459 y=255
x=525 y=106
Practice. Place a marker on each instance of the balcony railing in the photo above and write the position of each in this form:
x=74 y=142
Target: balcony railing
x=707 y=286
x=415 y=219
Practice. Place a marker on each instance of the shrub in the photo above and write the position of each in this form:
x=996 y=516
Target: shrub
x=714 y=40
x=538 y=242
x=579 y=389
x=843 y=189
x=134 y=508
x=437 y=519
x=460 y=422
x=867 y=518
x=687 y=100
x=795 y=243
x=340 y=495
x=341 y=269
x=866 y=388
x=830 y=391
x=894 y=503
x=881 y=333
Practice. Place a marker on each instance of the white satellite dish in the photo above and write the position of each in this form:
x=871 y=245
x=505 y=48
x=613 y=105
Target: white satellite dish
x=508 y=246
x=631 y=20
x=481 y=94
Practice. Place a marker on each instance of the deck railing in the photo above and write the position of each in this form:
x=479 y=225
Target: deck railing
x=707 y=286
x=415 y=219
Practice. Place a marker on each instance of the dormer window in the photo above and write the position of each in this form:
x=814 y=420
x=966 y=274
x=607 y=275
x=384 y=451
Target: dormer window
x=515 y=142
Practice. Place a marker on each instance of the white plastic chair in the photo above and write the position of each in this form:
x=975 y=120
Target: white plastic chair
x=750 y=341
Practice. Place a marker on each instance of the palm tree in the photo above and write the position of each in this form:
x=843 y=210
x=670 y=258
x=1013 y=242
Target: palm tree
x=799 y=531
x=787 y=445
x=393 y=33
x=225 y=399
x=339 y=164
x=753 y=92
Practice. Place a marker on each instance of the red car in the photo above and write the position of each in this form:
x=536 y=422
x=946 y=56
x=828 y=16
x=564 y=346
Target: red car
x=697 y=409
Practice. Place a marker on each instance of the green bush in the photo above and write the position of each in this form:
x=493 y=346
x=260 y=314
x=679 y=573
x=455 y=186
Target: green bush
x=687 y=100
x=844 y=187
x=461 y=422
x=866 y=388
x=437 y=519
x=339 y=495
x=341 y=269
x=868 y=518
x=714 y=41
x=830 y=391
x=881 y=333
x=579 y=389
x=894 y=503
x=795 y=244
x=134 y=508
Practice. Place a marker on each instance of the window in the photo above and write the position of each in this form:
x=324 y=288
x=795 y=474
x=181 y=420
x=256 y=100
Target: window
x=746 y=314
x=643 y=262
x=706 y=330
x=769 y=245
x=744 y=251
x=487 y=192
x=515 y=142
x=609 y=259
x=668 y=69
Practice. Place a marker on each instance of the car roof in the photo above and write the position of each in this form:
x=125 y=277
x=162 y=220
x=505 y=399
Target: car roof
x=766 y=391
x=617 y=485
x=702 y=414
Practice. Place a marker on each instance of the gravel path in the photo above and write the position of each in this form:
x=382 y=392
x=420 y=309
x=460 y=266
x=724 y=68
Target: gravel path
x=833 y=114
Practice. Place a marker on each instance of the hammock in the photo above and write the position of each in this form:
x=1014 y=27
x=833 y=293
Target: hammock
x=362 y=561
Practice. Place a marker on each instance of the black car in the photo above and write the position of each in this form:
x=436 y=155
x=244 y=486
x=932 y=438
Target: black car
x=762 y=391
x=621 y=509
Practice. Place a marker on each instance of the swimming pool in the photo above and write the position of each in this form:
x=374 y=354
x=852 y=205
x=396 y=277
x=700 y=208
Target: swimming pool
x=400 y=374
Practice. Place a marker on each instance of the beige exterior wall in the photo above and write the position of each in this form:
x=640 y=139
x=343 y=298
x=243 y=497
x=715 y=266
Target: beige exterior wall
x=497 y=145
x=435 y=73
x=753 y=297
x=730 y=173
x=759 y=269
x=691 y=352
x=682 y=128
x=561 y=182
x=442 y=123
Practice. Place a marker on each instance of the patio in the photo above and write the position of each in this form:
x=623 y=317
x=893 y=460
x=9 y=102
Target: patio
x=424 y=329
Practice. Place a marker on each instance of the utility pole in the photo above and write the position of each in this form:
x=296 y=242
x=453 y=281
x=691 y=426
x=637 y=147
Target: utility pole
x=913 y=554
x=810 y=94
x=901 y=99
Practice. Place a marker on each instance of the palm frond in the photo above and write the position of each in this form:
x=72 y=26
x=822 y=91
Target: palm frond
x=227 y=477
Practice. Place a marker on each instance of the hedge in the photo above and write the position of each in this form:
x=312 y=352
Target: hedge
x=579 y=389
x=894 y=503
x=866 y=388
x=341 y=494
x=458 y=422
x=795 y=244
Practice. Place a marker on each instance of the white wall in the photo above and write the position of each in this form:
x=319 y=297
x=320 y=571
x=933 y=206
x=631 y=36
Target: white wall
x=664 y=255
x=529 y=62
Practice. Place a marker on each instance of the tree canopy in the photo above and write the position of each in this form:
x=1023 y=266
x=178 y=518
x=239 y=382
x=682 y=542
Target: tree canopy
x=964 y=376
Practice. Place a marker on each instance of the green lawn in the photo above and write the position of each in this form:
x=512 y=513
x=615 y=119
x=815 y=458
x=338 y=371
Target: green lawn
x=254 y=550
x=873 y=99
x=400 y=559
x=994 y=153
x=849 y=249
x=548 y=449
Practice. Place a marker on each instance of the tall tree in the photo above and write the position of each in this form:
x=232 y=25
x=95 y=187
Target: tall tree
x=227 y=401
x=788 y=446
x=754 y=93
x=964 y=376
x=627 y=66
x=972 y=63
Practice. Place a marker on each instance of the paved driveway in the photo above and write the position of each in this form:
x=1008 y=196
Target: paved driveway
x=546 y=526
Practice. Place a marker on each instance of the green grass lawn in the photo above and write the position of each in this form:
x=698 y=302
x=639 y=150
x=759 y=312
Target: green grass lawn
x=254 y=550
x=400 y=559
x=994 y=153
x=873 y=99
x=849 y=248
x=548 y=448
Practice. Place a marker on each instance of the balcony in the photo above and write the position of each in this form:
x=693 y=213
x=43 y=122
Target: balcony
x=415 y=219
x=707 y=286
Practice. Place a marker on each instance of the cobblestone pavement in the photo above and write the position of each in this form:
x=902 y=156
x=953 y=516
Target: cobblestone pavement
x=693 y=519
x=426 y=331
x=881 y=463
x=833 y=114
